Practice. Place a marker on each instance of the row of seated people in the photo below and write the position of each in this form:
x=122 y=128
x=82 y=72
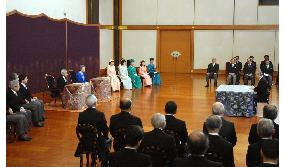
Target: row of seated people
x=169 y=138
x=23 y=109
x=234 y=68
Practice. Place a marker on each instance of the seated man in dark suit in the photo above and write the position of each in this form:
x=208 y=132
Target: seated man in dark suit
x=239 y=69
x=270 y=153
x=249 y=72
x=121 y=121
x=178 y=126
x=160 y=140
x=81 y=75
x=265 y=130
x=262 y=89
x=198 y=144
x=129 y=157
x=31 y=103
x=212 y=72
x=252 y=61
x=14 y=101
x=62 y=80
x=269 y=112
x=266 y=68
x=217 y=144
x=232 y=72
x=227 y=130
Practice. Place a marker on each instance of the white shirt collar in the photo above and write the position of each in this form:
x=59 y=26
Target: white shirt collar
x=131 y=148
x=171 y=114
x=14 y=92
x=215 y=134
x=273 y=163
x=24 y=85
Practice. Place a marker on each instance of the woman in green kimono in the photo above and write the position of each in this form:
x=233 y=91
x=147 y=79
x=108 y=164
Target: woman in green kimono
x=136 y=81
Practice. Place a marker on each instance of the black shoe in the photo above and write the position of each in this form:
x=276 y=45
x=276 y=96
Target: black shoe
x=25 y=138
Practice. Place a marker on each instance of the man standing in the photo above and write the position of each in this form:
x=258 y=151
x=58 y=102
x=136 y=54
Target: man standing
x=212 y=72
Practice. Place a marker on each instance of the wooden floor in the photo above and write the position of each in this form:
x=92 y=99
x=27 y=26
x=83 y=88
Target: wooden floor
x=54 y=145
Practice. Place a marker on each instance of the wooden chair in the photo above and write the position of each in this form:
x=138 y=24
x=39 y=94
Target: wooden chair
x=157 y=153
x=119 y=139
x=51 y=87
x=11 y=132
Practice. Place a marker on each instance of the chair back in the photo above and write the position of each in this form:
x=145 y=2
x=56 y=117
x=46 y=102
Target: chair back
x=119 y=139
x=11 y=132
x=158 y=155
x=50 y=82
x=88 y=138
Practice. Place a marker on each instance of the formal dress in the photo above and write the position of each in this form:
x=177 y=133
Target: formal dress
x=195 y=161
x=142 y=71
x=254 y=137
x=122 y=120
x=267 y=165
x=129 y=158
x=239 y=69
x=81 y=77
x=227 y=131
x=178 y=126
x=136 y=81
x=162 y=140
x=212 y=72
x=267 y=71
x=156 y=79
x=35 y=105
x=262 y=90
x=249 y=73
x=223 y=148
x=115 y=83
x=253 y=157
x=126 y=80
x=61 y=82
x=232 y=73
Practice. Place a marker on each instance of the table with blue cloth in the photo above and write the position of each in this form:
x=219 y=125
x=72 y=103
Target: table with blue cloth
x=238 y=100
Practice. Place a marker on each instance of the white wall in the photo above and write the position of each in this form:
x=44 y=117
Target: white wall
x=106 y=47
x=139 y=45
x=106 y=12
x=75 y=9
x=268 y=15
x=276 y=59
x=246 y=12
x=209 y=44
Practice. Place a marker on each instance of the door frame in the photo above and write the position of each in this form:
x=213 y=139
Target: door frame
x=191 y=47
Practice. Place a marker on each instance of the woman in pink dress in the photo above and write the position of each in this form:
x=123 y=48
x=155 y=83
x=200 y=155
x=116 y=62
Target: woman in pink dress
x=142 y=71
x=111 y=72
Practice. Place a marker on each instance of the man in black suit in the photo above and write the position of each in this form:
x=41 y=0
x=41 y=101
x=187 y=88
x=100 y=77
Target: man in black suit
x=269 y=112
x=270 y=153
x=227 y=130
x=158 y=138
x=239 y=69
x=232 y=72
x=129 y=157
x=262 y=89
x=198 y=144
x=217 y=144
x=62 y=80
x=267 y=70
x=121 y=121
x=178 y=126
x=252 y=61
x=212 y=72
x=265 y=130
x=30 y=102
x=249 y=72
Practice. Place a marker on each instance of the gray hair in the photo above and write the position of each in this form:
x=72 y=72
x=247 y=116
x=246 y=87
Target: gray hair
x=213 y=122
x=63 y=71
x=13 y=83
x=81 y=66
x=265 y=127
x=158 y=121
x=91 y=100
x=218 y=108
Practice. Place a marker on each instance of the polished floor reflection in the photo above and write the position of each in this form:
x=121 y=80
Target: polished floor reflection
x=54 y=145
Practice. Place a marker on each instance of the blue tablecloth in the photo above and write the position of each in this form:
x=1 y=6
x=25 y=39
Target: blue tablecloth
x=237 y=99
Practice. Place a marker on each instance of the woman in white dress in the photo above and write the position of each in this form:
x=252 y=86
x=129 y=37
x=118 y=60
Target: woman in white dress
x=111 y=72
x=123 y=74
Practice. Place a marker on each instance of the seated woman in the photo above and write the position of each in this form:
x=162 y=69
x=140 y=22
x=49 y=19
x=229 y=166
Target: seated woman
x=142 y=71
x=81 y=76
x=153 y=73
x=115 y=83
x=123 y=74
x=136 y=81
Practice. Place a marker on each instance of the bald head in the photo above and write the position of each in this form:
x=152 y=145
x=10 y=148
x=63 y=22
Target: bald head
x=198 y=143
x=218 y=108
x=125 y=104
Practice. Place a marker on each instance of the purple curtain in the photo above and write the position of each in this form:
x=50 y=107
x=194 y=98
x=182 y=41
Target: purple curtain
x=83 y=48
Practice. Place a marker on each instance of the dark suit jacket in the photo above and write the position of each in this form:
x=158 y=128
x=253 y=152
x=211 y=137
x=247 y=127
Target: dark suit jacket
x=227 y=131
x=177 y=125
x=213 y=69
x=253 y=157
x=195 y=161
x=219 y=145
x=159 y=138
x=122 y=120
x=249 y=69
x=267 y=165
x=239 y=66
x=61 y=83
x=14 y=102
x=253 y=136
x=96 y=118
x=266 y=70
x=129 y=158
x=262 y=90
x=25 y=93
x=232 y=69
